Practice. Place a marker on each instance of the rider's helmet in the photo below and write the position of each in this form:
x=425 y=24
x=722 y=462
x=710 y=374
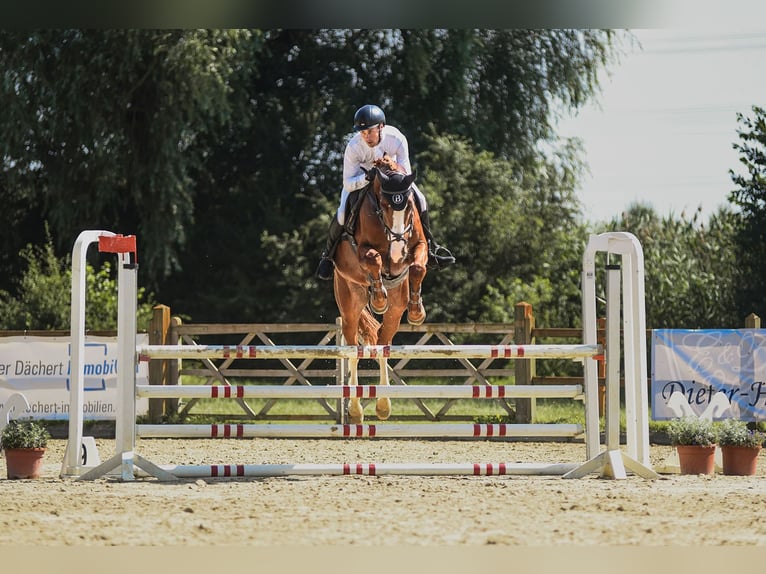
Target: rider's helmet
x=367 y=117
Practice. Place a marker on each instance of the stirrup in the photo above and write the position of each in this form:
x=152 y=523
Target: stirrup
x=440 y=257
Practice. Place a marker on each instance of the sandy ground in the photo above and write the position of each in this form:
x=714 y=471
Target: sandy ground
x=351 y=511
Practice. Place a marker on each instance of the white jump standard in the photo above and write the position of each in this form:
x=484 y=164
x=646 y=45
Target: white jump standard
x=611 y=462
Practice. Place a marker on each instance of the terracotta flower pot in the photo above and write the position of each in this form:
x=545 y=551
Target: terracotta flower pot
x=694 y=459
x=739 y=460
x=24 y=462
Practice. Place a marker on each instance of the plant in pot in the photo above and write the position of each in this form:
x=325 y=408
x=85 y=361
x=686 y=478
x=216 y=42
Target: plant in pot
x=739 y=447
x=694 y=439
x=24 y=442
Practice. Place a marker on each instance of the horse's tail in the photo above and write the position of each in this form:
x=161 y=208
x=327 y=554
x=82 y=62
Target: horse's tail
x=368 y=328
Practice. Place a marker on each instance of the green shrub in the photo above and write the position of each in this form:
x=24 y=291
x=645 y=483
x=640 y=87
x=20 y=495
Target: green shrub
x=24 y=433
x=733 y=432
x=45 y=291
x=692 y=431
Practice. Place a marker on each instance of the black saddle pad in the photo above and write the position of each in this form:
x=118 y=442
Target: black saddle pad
x=353 y=205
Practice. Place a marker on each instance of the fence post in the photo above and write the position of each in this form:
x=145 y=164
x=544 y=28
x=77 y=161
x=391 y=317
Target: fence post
x=601 y=340
x=158 y=330
x=523 y=323
x=174 y=365
x=752 y=321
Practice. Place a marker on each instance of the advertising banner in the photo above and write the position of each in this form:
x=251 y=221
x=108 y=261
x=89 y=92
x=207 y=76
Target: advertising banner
x=39 y=368
x=718 y=373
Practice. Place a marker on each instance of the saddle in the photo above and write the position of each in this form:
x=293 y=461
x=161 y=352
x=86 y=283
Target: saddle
x=353 y=205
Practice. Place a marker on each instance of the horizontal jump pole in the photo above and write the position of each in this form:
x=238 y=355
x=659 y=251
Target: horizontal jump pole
x=359 y=391
x=146 y=352
x=369 y=469
x=442 y=430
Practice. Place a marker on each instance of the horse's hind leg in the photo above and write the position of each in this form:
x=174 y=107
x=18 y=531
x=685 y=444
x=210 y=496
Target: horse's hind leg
x=383 y=404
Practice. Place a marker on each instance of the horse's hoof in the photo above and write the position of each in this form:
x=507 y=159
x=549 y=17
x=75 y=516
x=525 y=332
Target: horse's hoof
x=381 y=310
x=378 y=299
x=416 y=318
x=355 y=413
x=383 y=408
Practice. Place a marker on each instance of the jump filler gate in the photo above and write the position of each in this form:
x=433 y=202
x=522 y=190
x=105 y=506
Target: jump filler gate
x=607 y=459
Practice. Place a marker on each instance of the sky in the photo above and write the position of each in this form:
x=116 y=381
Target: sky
x=662 y=129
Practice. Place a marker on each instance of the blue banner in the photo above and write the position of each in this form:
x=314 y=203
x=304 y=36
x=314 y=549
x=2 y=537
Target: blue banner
x=714 y=373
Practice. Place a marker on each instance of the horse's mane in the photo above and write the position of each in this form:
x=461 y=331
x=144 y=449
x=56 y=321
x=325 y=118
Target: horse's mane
x=389 y=171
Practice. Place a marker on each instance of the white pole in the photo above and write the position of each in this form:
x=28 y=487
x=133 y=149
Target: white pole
x=612 y=415
x=125 y=430
x=368 y=352
x=387 y=430
x=637 y=348
x=360 y=391
x=370 y=469
x=590 y=366
x=72 y=460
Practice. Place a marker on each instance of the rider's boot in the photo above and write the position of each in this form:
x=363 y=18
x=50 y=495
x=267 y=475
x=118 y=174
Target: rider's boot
x=438 y=256
x=326 y=265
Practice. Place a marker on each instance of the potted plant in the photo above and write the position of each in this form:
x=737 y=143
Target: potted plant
x=694 y=439
x=24 y=442
x=739 y=447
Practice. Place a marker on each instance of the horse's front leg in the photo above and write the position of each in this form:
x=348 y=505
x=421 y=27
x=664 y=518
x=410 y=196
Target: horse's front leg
x=372 y=263
x=383 y=404
x=416 y=312
x=355 y=410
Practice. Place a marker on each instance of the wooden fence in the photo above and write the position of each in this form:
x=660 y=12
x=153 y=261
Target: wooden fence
x=169 y=330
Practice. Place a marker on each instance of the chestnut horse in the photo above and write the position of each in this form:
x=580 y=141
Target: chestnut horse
x=380 y=269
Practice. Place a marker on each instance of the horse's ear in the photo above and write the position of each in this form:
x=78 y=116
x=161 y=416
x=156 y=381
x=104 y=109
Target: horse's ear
x=410 y=178
x=383 y=177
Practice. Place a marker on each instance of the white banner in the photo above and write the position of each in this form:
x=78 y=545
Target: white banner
x=39 y=368
x=719 y=373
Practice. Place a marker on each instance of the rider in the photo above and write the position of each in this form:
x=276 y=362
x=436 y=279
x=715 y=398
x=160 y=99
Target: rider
x=374 y=139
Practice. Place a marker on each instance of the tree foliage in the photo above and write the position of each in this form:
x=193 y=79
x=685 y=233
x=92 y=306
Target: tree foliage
x=221 y=150
x=689 y=276
x=750 y=198
x=45 y=292
x=99 y=128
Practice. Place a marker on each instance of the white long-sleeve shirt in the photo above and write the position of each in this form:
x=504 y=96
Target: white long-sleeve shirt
x=358 y=154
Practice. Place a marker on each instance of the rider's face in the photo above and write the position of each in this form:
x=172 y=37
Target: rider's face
x=371 y=136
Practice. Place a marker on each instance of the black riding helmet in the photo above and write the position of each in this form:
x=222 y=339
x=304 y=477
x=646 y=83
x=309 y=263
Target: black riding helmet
x=368 y=117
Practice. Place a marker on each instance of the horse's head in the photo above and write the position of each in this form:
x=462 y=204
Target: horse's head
x=395 y=187
x=394 y=190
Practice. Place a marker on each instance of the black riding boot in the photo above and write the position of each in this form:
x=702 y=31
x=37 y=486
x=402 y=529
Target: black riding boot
x=438 y=256
x=326 y=266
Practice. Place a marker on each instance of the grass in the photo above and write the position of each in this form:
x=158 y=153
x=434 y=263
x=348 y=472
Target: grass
x=484 y=411
x=548 y=411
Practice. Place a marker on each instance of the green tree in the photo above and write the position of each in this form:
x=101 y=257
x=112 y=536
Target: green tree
x=45 y=292
x=689 y=276
x=515 y=232
x=99 y=129
x=750 y=198
x=260 y=246
x=221 y=150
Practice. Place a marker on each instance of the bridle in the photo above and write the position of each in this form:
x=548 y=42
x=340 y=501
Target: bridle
x=392 y=235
